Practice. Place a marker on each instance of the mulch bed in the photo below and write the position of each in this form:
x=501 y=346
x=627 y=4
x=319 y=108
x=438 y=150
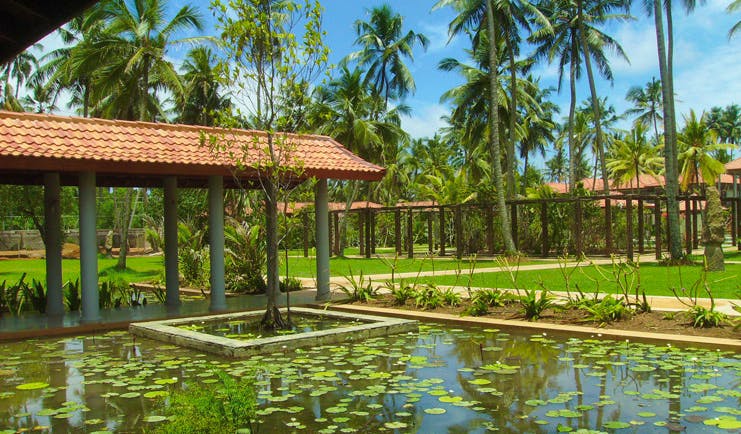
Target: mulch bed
x=654 y=322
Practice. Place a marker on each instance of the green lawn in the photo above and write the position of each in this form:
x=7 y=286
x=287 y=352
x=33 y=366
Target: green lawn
x=142 y=268
x=306 y=267
x=655 y=279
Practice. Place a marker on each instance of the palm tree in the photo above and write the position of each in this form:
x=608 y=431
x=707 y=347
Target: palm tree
x=632 y=157
x=537 y=127
x=19 y=70
x=727 y=125
x=130 y=57
x=698 y=143
x=128 y=64
x=201 y=99
x=733 y=7
x=646 y=103
x=383 y=49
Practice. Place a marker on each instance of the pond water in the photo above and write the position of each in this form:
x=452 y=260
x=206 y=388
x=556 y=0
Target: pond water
x=440 y=380
x=249 y=327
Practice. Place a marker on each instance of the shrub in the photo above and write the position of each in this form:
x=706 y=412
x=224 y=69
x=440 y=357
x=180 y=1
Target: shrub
x=72 y=295
x=492 y=297
x=477 y=308
x=607 y=309
x=428 y=297
x=246 y=257
x=226 y=406
x=401 y=293
x=450 y=297
x=290 y=284
x=533 y=304
x=703 y=317
x=193 y=256
x=112 y=293
x=358 y=289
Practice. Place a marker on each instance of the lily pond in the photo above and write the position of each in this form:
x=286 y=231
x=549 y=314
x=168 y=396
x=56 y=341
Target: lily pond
x=249 y=328
x=440 y=380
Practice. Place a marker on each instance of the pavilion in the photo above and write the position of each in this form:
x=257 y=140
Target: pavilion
x=86 y=152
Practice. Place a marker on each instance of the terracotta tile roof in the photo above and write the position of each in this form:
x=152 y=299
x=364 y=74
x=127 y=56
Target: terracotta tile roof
x=32 y=142
x=294 y=207
x=734 y=166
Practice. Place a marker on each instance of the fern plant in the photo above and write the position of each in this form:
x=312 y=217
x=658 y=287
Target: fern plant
x=534 y=303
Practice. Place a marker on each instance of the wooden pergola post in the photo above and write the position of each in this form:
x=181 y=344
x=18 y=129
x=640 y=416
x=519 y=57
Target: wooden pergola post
x=397 y=230
x=489 y=216
x=361 y=233
x=430 y=236
x=410 y=233
x=368 y=232
x=373 y=232
x=641 y=229
x=305 y=224
x=629 y=227
x=687 y=226
x=657 y=227
x=458 y=232
x=695 y=216
x=544 y=239
x=515 y=231
x=608 y=225
x=442 y=230
x=577 y=228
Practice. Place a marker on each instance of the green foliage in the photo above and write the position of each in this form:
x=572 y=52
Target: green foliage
x=428 y=297
x=72 y=295
x=223 y=407
x=114 y=292
x=246 y=257
x=159 y=293
x=290 y=284
x=22 y=296
x=534 y=303
x=358 y=289
x=193 y=255
x=402 y=292
x=703 y=317
x=492 y=297
x=478 y=307
x=607 y=309
x=450 y=297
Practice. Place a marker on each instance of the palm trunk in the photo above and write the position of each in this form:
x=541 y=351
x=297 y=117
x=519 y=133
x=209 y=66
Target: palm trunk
x=524 y=173
x=496 y=163
x=670 y=138
x=595 y=104
x=572 y=110
x=512 y=122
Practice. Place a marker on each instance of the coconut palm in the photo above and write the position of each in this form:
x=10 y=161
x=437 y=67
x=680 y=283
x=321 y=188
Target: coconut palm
x=128 y=65
x=574 y=37
x=727 y=125
x=698 y=143
x=632 y=157
x=201 y=99
x=383 y=49
x=130 y=57
x=537 y=127
x=646 y=105
x=14 y=74
x=733 y=7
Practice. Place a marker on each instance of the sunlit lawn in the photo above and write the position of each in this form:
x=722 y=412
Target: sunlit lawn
x=140 y=269
x=654 y=278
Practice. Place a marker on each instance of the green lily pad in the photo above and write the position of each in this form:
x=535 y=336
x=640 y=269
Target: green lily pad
x=32 y=386
x=616 y=424
x=154 y=419
x=395 y=425
x=435 y=410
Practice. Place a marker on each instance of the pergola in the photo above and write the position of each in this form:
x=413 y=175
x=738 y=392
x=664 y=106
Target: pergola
x=55 y=150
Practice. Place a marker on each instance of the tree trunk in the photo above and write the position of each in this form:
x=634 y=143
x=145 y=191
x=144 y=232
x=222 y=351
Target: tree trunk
x=496 y=163
x=512 y=121
x=272 y=318
x=599 y=143
x=124 y=230
x=572 y=110
x=671 y=169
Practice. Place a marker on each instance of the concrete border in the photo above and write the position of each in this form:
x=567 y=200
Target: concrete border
x=541 y=327
x=168 y=331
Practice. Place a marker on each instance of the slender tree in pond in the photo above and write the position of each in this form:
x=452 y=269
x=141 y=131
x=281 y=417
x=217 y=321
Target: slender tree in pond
x=273 y=48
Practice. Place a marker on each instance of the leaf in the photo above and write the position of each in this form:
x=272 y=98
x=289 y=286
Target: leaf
x=32 y=386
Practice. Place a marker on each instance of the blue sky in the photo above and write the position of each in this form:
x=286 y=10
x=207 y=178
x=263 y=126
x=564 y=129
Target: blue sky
x=707 y=64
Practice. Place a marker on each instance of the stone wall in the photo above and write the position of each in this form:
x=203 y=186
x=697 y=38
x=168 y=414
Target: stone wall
x=31 y=239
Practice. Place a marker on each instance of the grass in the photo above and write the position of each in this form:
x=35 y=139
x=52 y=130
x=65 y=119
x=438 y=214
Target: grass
x=655 y=279
x=306 y=267
x=139 y=269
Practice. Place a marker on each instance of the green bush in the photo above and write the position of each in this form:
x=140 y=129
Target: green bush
x=492 y=297
x=358 y=289
x=533 y=304
x=428 y=297
x=477 y=308
x=606 y=310
x=246 y=257
x=72 y=295
x=401 y=293
x=223 y=407
x=703 y=317
x=450 y=297
x=290 y=284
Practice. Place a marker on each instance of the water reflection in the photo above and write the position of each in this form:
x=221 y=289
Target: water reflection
x=440 y=380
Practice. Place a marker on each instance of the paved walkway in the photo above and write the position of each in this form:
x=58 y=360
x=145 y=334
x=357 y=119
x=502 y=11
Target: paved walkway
x=661 y=303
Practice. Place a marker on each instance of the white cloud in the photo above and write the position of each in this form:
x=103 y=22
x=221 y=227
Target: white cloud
x=639 y=43
x=425 y=121
x=437 y=33
x=710 y=82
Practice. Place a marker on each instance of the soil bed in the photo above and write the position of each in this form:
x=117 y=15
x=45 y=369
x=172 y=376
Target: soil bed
x=654 y=322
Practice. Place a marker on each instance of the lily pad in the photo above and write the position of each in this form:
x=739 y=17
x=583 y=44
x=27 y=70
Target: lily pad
x=32 y=386
x=154 y=418
x=435 y=410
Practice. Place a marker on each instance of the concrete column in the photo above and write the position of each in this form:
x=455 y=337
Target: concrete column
x=321 y=206
x=216 y=239
x=88 y=249
x=172 y=283
x=52 y=227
